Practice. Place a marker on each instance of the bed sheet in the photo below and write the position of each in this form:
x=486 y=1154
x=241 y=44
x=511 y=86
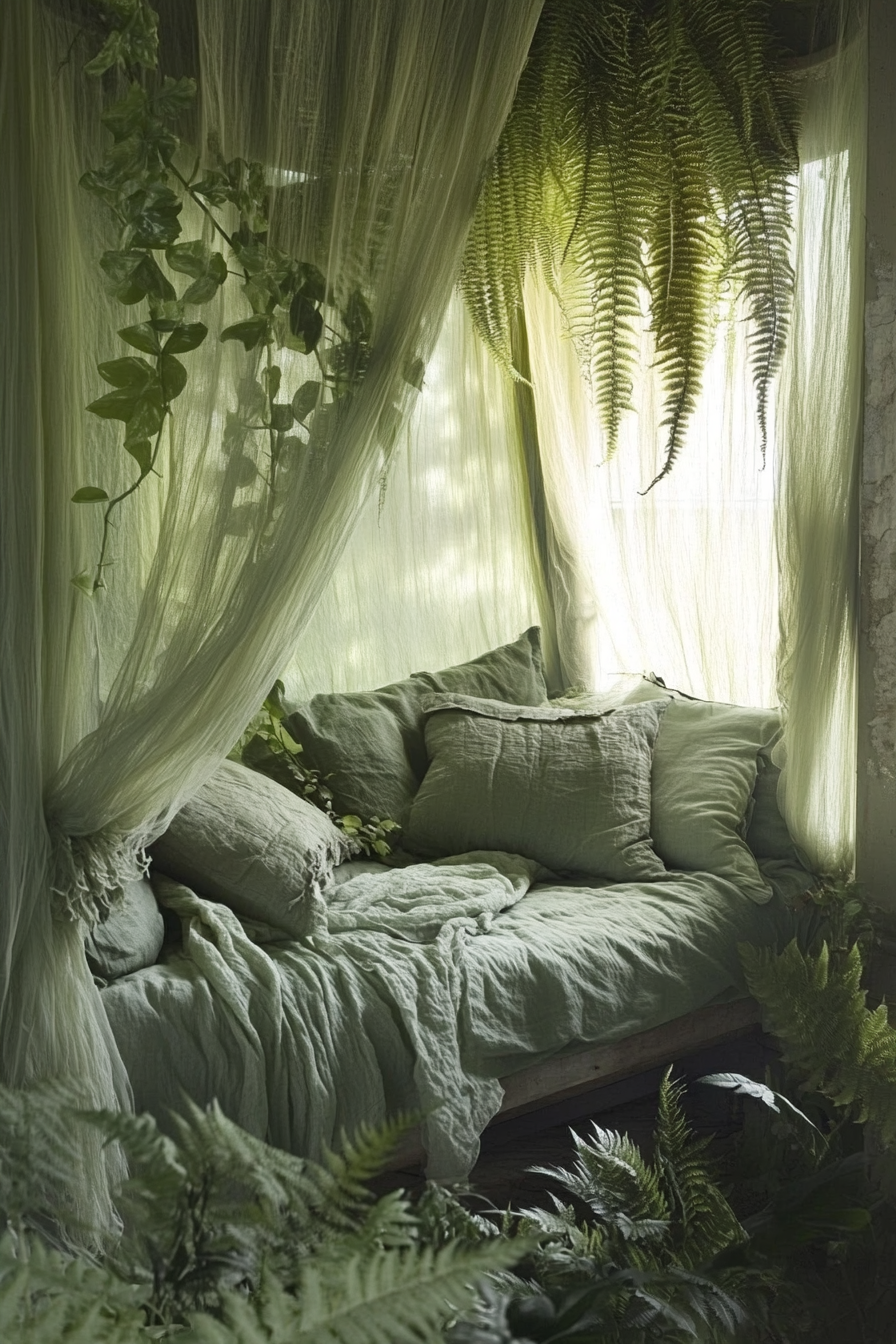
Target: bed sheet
x=420 y=989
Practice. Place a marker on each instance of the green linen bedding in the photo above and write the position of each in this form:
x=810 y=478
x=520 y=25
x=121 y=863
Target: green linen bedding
x=418 y=989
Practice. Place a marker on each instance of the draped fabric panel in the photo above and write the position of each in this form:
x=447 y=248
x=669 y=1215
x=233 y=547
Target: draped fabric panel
x=373 y=122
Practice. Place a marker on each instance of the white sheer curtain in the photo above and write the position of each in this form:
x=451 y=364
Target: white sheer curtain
x=733 y=579
x=113 y=711
x=440 y=567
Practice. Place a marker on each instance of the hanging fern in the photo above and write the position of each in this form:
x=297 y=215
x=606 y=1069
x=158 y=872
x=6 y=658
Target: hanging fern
x=648 y=158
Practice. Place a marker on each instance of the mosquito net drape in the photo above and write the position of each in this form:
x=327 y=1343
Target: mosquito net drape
x=373 y=120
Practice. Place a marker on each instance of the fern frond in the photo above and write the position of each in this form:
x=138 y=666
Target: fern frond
x=389 y=1298
x=702 y=1219
x=620 y=1188
x=817 y=1008
x=46 y=1296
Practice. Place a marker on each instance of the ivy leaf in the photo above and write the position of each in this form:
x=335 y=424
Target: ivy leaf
x=272 y=377
x=131 y=372
x=196 y=259
x=145 y=419
x=118 y=405
x=305 y=400
x=357 y=316
x=141 y=451
x=84 y=581
x=174 y=377
x=124 y=117
x=305 y=322
x=413 y=373
x=175 y=96
x=214 y=187
x=89 y=494
x=186 y=336
x=141 y=337
x=250 y=331
x=312 y=282
x=152 y=216
x=109 y=54
x=281 y=417
x=132 y=275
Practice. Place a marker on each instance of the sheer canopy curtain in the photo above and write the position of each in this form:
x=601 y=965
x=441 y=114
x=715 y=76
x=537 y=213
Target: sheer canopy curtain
x=734 y=579
x=375 y=117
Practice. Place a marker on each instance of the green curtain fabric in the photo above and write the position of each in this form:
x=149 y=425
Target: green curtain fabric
x=114 y=710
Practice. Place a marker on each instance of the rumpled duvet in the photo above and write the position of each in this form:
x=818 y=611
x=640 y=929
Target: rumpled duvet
x=417 y=989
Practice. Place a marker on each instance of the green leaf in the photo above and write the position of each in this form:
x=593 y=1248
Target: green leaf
x=141 y=451
x=109 y=54
x=312 y=282
x=152 y=216
x=190 y=258
x=89 y=494
x=84 y=581
x=185 y=337
x=272 y=378
x=306 y=399
x=131 y=372
x=414 y=371
x=281 y=417
x=132 y=275
x=305 y=322
x=123 y=117
x=174 y=377
x=174 y=97
x=142 y=337
x=250 y=331
x=207 y=286
x=357 y=316
x=118 y=405
x=214 y=188
x=146 y=417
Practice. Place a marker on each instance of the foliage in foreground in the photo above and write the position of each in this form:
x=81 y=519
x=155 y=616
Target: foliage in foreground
x=225 y=1240
x=814 y=1003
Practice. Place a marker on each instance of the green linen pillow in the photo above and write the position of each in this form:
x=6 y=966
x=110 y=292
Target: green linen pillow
x=705 y=766
x=130 y=938
x=248 y=842
x=570 y=790
x=768 y=836
x=369 y=744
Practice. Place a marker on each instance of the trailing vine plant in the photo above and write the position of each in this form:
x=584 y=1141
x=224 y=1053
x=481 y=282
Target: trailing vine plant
x=267 y=746
x=144 y=183
x=648 y=160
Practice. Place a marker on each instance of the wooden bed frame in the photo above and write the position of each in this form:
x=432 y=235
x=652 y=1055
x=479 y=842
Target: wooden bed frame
x=596 y=1066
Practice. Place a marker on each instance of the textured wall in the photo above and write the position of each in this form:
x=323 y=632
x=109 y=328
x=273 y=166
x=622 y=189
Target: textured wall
x=876 y=860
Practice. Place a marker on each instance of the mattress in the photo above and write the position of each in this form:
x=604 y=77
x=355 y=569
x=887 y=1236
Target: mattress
x=421 y=990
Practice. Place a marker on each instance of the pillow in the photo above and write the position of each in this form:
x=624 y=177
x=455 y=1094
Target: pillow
x=705 y=766
x=247 y=841
x=768 y=836
x=130 y=938
x=370 y=744
x=570 y=790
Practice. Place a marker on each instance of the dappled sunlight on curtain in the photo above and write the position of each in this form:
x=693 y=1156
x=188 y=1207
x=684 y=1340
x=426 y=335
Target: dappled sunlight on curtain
x=439 y=567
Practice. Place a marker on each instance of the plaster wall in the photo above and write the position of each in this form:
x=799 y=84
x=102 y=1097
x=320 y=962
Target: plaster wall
x=876 y=782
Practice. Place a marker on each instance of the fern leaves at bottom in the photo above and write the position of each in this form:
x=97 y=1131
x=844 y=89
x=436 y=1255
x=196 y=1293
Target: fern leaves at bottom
x=841 y=1048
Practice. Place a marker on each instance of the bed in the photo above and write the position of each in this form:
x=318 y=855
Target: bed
x=534 y=915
